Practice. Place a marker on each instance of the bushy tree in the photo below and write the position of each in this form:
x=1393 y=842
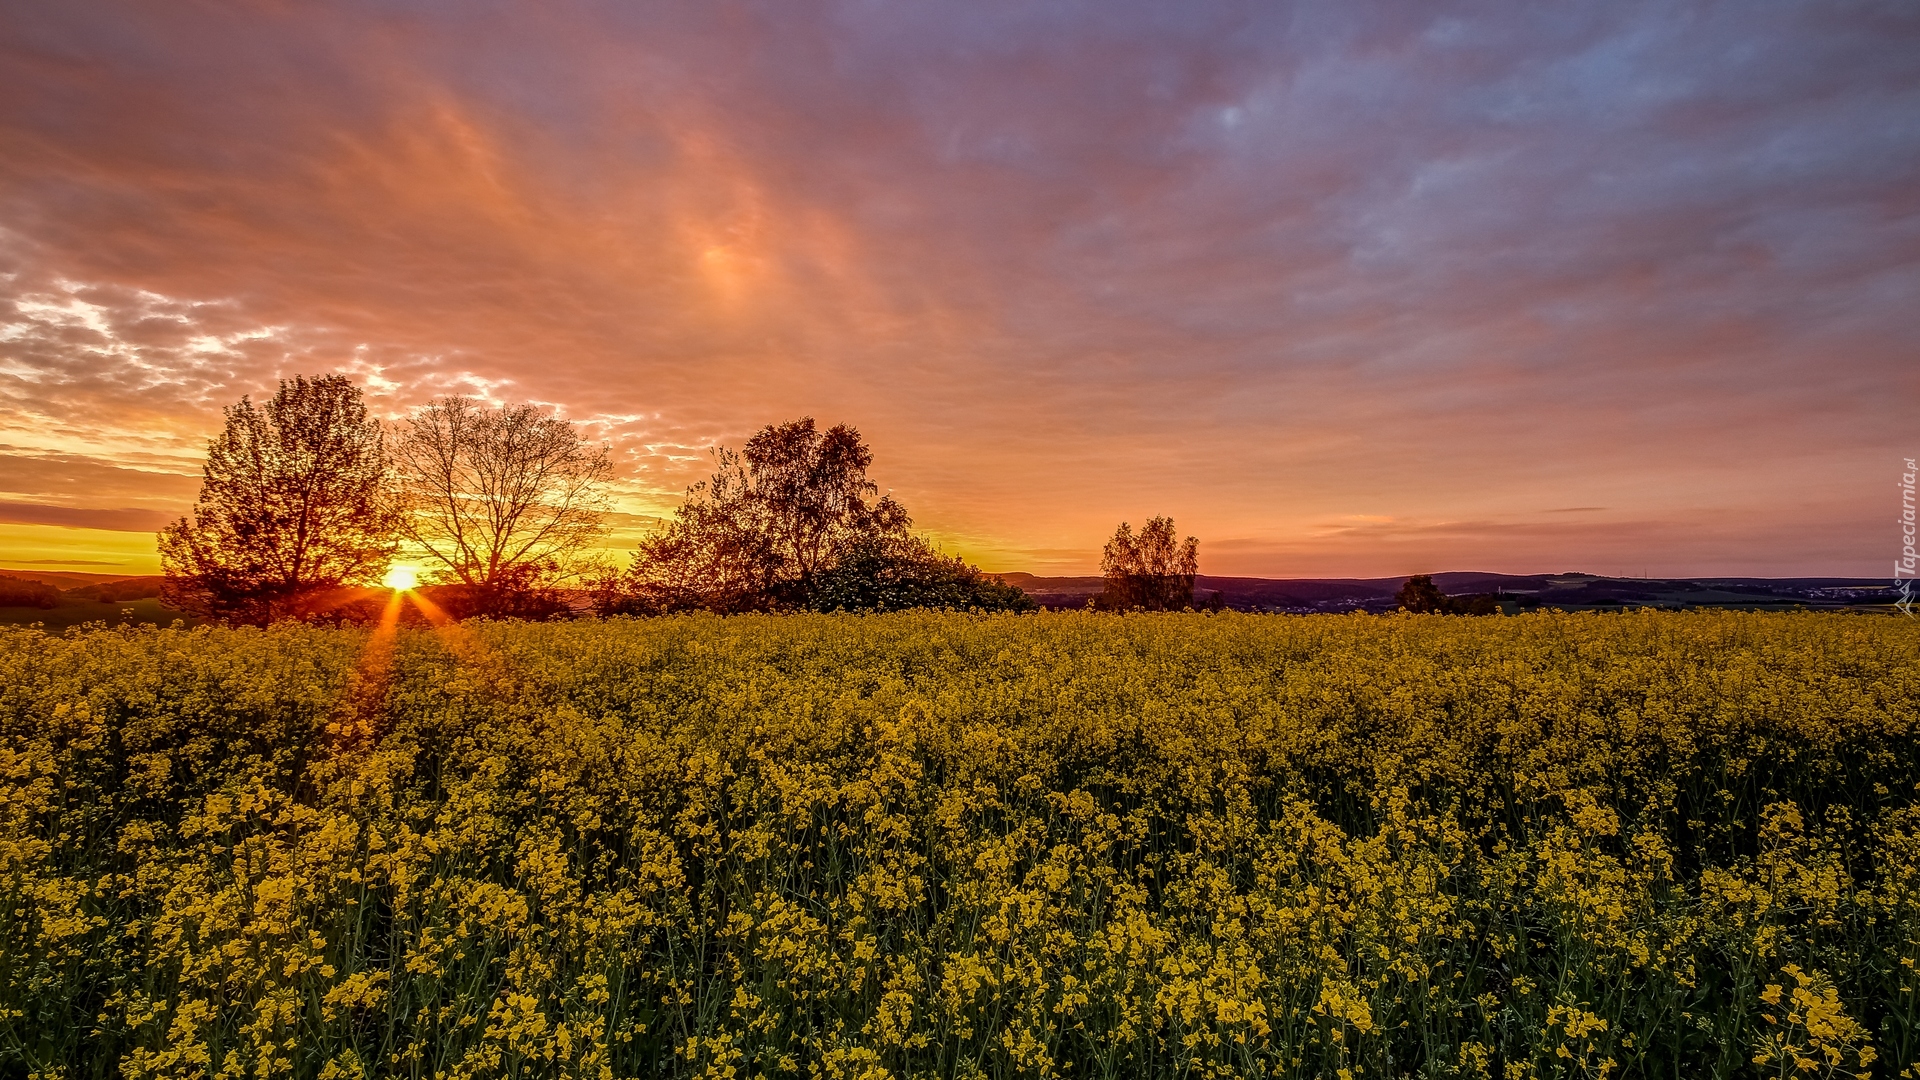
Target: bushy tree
x=793 y=523
x=812 y=500
x=1153 y=570
x=717 y=553
x=1420 y=595
x=894 y=574
x=294 y=504
x=506 y=501
x=1475 y=604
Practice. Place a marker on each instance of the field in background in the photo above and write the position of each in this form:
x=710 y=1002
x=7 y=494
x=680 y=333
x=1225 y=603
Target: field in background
x=1070 y=845
x=112 y=599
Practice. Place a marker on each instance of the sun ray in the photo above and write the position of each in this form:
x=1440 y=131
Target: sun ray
x=457 y=638
x=368 y=683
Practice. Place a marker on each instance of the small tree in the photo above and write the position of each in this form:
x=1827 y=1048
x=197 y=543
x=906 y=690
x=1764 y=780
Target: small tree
x=1153 y=570
x=1421 y=595
x=506 y=500
x=294 y=503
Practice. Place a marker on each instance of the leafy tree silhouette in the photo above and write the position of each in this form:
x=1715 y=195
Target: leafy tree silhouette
x=294 y=503
x=794 y=522
x=1153 y=570
x=1420 y=595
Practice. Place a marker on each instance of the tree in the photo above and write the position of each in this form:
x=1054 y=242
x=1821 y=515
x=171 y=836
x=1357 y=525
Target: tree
x=794 y=523
x=880 y=573
x=760 y=532
x=716 y=554
x=294 y=503
x=1420 y=595
x=1153 y=570
x=506 y=500
x=1474 y=604
x=810 y=492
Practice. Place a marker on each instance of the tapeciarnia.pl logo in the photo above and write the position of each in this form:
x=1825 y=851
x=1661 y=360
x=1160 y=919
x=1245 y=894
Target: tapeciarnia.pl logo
x=1903 y=567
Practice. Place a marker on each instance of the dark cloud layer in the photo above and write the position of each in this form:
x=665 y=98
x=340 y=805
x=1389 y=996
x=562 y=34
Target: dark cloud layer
x=1357 y=288
x=124 y=519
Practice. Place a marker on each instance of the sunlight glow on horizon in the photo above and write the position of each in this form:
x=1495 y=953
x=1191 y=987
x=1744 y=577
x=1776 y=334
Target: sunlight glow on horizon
x=401 y=578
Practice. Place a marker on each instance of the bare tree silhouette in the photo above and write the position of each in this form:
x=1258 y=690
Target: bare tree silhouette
x=504 y=500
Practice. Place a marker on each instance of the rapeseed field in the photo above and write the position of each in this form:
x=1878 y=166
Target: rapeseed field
x=963 y=846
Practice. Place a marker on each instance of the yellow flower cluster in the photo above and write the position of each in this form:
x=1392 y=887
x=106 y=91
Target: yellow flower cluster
x=965 y=846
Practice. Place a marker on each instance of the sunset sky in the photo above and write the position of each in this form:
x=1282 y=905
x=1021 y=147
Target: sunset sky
x=1349 y=289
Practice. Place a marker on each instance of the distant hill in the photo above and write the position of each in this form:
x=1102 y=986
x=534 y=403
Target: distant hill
x=1571 y=591
x=64 y=579
x=133 y=588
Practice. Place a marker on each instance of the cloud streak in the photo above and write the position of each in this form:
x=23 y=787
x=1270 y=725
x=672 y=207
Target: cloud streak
x=124 y=519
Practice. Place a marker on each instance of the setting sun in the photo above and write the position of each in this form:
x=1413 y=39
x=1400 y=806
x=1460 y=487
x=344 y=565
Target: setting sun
x=400 y=578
